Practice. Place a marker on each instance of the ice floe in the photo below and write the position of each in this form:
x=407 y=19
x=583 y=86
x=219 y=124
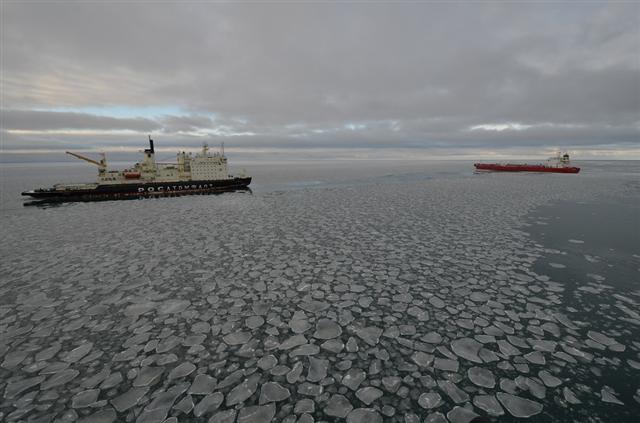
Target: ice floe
x=518 y=406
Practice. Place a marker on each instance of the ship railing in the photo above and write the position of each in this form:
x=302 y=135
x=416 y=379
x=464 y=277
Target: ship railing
x=73 y=187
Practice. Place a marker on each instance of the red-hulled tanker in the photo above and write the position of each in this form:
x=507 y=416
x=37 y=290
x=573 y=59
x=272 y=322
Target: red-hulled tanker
x=559 y=164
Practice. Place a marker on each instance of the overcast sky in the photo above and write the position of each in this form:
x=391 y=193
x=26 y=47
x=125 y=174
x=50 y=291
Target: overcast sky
x=324 y=79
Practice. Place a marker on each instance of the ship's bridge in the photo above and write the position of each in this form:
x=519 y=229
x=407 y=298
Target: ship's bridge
x=206 y=166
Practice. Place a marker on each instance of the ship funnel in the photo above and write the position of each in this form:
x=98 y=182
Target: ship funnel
x=151 y=150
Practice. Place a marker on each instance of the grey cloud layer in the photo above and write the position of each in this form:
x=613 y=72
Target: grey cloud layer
x=327 y=75
x=34 y=120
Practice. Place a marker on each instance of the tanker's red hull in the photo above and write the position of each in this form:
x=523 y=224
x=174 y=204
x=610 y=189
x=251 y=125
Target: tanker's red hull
x=497 y=167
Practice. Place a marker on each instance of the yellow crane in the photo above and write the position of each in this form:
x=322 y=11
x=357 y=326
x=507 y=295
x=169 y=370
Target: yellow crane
x=102 y=164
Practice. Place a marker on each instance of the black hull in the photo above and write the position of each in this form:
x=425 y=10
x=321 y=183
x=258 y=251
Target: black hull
x=142 y=190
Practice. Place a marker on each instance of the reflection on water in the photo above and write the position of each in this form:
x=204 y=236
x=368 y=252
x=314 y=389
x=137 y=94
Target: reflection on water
x=54 y=202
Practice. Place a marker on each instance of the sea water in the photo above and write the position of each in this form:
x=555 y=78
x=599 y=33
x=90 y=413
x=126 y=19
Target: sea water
x=361 y=290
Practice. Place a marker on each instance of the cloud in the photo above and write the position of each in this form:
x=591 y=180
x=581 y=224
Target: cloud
x=42 y=121
x=322 y=75
x=181 y=123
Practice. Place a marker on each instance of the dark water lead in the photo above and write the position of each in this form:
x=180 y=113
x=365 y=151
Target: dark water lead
x=594 y=249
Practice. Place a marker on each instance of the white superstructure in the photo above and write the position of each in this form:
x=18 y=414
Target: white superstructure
x=206 y=166
x=559 y=160
x=203 y=166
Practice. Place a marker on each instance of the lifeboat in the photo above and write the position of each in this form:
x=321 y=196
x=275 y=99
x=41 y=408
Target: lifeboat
x=131 y=175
